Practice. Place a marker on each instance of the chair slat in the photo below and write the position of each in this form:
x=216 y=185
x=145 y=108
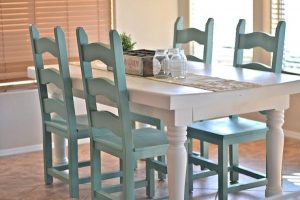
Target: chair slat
x=191 y=34
x=103 y=86
x=256 y=66
x=257 y=39
x=55 y=106
x=51 y=75
x=90 y=53
x=46 y=45
x=105 y=119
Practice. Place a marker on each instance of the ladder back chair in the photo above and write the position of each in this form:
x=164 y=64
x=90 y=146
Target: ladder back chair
x=228 y=132
x=58 y=114
x=273 y=44
x=112 y=133
x=204 y=38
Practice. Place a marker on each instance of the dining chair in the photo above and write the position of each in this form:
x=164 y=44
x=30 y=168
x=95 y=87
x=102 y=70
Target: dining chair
x=272 y=44
x=57 y=111
x=203 y=38
x=228 y=132
x=112 y=133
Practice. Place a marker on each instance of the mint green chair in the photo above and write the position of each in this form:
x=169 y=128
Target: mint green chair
x=228 y=132
x=204 y=38
x=272 y=44
x=112 y=133
x=57 y=111
x=58 y=115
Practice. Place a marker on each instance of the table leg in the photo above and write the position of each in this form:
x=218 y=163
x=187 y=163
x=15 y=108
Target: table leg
x=176 y=163
x=275 y=142
x=59 y=150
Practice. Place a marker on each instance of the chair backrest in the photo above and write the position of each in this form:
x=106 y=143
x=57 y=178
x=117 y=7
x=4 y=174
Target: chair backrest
x=204 y=38
x=113 y=90
x=62 y=106
x=272 y=44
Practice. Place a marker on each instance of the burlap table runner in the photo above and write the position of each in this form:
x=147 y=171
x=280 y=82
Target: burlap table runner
x=208 y=83
x=193 y=80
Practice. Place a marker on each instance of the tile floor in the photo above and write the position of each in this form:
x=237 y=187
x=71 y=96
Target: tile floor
x=21 y=176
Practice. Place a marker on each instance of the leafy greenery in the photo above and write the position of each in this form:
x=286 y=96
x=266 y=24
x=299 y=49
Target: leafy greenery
x=127 y=42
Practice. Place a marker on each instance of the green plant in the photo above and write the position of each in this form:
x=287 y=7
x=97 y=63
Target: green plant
x=127 y=42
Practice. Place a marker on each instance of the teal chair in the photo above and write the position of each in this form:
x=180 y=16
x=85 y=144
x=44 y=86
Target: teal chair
x=58 y=115
x=204 y=38
x=228 y=132
x=272 y=44
x=112 y=133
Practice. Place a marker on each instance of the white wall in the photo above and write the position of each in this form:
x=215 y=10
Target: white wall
x=20 y=122
x=150 y=23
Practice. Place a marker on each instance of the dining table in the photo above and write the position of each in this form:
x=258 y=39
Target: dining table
x=208 y=91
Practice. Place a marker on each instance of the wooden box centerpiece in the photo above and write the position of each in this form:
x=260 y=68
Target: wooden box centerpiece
x=138 y=62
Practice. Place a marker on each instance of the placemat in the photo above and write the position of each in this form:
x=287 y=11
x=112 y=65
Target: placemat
x=208 y=83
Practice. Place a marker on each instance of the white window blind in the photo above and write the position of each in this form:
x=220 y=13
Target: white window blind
x=16 y=15
x=288 y=10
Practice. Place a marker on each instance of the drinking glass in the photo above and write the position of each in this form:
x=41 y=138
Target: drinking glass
x=160 y=64
x=177 y=63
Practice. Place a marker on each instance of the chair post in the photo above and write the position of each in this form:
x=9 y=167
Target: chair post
x=238 y=54
x=208 y=47
x=278 y=54
x=177 y=27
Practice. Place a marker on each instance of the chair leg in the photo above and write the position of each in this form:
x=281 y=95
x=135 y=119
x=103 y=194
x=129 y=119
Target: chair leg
x=47 y=151
x=120 y=168
x=161 y=176
x=189 y=167
x=96 y=179
x=203 y=151
x=128 y=177
x=234 y=161
x=150 y=190
x=73 y=168
x=222 y=171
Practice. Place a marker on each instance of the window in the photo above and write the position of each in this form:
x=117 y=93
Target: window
x=288 y=10
x=16 y=15
x=226 y=15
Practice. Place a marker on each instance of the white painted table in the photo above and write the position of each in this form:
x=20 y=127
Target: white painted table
x=179 y=106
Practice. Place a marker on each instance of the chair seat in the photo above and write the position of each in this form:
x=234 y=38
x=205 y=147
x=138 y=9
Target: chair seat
x=60 y=124
x=226 y=128
x=144 y=139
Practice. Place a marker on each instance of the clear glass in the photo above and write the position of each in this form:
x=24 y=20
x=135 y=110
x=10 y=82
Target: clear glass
x=177 y=63
x=160 y=64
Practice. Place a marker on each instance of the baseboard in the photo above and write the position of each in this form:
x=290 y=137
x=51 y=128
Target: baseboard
x=19 y=150
x=292 y=134
x=31 y=148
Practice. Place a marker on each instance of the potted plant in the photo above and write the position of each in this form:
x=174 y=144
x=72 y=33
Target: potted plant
x=127 y=42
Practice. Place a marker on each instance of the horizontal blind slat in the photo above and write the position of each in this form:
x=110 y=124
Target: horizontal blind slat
x=16 y=15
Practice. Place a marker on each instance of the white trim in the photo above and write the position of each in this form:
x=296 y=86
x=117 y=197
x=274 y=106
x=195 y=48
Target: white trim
x=19 y=150
x=84 y=141
x=292 y=134
x=31 y=148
